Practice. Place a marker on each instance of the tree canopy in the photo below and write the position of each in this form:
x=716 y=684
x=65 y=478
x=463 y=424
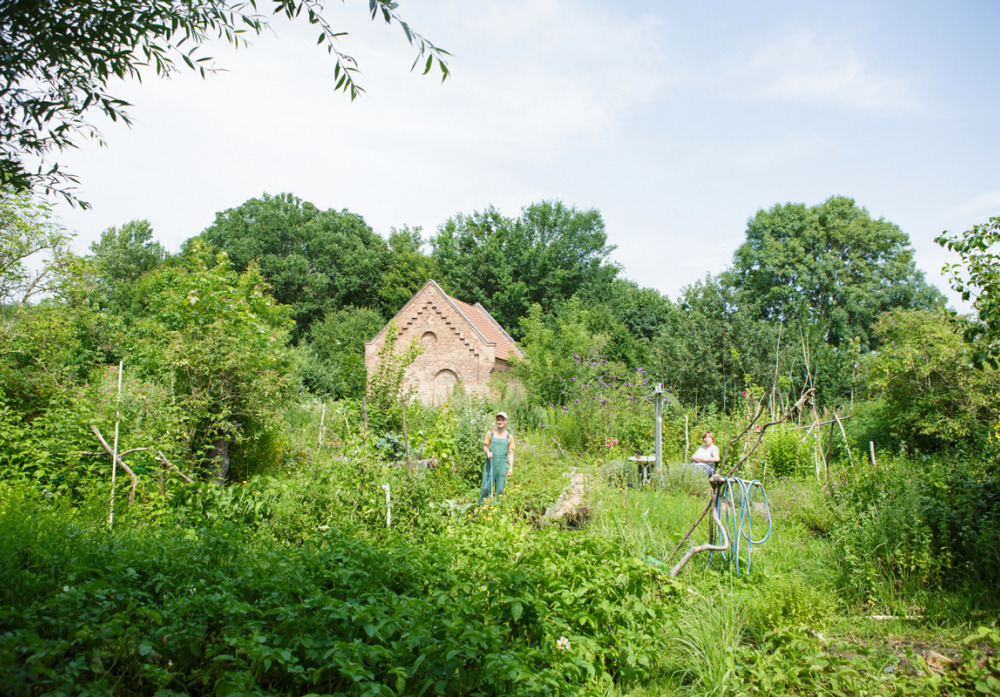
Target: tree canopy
x=59 y=61
x=832 y=265
x=546 y=255
x=315 y=261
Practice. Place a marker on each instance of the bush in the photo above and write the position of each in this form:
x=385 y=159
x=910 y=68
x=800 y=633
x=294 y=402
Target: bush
x=786 y=455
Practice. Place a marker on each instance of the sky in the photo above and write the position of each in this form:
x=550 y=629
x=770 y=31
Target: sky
x=677 y=120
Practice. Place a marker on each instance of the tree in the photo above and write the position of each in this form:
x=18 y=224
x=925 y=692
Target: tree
x=337 y=348
x=32 y=248
x=977 y=279
x=714 y=344
x=123 y=255
x=219 y=341
x=60 y=60
x=407 y=270
x=932 y=395
x=830 y=265
x=546 y=255
x=315 y=261
x=554 y=349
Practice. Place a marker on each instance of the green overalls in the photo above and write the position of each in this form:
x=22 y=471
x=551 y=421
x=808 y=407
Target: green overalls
x=495 y=468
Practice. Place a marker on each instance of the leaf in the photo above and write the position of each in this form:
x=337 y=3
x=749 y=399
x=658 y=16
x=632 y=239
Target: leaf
x=516 y=610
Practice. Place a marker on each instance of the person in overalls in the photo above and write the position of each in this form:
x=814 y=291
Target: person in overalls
x=499 y=449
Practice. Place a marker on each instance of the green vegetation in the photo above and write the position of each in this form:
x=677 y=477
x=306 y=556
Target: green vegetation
x=280 y=528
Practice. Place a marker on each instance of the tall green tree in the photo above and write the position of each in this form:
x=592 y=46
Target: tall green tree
x=407 y=269
x=977 y=279
x=219 y=341
x=830 y=265
x=122 y=255
x=553 y=346
x=544 y=256
x=61 y=61
x=337 y=352
x=315 y=261
x=932 y=395
x=714 y=344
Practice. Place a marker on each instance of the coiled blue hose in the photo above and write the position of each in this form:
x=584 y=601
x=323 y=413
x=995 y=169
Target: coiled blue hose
x=726 y=507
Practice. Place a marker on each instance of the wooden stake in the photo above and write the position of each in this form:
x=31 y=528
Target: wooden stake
x=871 y=447
x=114 y=453
x=322 y=418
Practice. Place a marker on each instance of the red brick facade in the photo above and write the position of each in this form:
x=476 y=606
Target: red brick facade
x=462 y=344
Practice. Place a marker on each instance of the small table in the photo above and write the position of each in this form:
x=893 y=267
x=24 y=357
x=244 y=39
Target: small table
x=643 y=465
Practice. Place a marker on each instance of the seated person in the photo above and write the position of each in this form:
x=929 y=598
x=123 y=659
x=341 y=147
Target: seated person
x=707 y=456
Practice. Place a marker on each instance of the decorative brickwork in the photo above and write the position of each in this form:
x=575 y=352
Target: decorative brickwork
x=463 y=345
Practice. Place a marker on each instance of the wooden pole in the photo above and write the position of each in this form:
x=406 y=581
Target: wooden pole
x=687 y=439
x=322 y=419
x=658 y=432
x=114 y=454
x=871 y=448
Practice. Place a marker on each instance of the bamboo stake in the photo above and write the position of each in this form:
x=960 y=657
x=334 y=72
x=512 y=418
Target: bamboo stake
x=114 y=453
x=871 y=447
x=322 y=418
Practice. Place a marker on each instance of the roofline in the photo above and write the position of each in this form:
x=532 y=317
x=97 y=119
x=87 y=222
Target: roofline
x=497 y=325
x=455 y=307
x=400 y=312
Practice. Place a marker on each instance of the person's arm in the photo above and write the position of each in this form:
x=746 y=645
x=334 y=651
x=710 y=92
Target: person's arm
x=713 y=456
x=510 y=455
x=486 y=443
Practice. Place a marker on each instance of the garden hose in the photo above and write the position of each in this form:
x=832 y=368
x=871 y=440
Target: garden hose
x=727 y=504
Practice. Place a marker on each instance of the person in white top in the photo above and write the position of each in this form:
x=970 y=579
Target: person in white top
x=707 y=456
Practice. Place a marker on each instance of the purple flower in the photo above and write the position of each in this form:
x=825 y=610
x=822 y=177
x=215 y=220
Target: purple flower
x=576 y=357
x=577 y=401
x=573 y=379
x=544 y=426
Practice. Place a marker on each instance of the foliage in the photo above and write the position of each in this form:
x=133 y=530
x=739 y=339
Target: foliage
x=977 y=278
x=120 y=257
x=714 y=343
x=607 y=410
x=336 y=366
x=926 y=526
x=933 y=397
x=27 y=233
x=407 y=269
x=830 y=265
x=551 y=347
x=63 y=61
x=785 y=453
x=315 y=261
x=219 y=341
x=386 y=393
x=491 y=609
x=546 y=255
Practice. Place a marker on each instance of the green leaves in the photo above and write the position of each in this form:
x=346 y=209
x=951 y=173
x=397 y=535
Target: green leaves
x=977 y=279
x=62 y=57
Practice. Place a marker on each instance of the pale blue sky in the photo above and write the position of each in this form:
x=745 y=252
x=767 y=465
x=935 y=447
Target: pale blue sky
x=677 y=120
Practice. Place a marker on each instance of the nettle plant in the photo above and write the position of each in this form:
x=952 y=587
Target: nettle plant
x=605 y=406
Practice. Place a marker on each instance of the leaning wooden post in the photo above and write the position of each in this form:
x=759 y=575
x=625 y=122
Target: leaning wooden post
x=114 y=454
x=658 y=431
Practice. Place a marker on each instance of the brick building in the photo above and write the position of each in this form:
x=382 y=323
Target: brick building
x=462 y=344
